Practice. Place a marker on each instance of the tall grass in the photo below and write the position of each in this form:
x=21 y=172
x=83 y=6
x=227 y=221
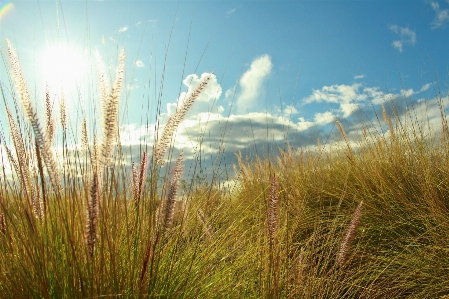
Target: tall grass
x=293 y=227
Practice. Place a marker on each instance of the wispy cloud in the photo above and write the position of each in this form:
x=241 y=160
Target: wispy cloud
x=359 y=77
x=251 y=82
x=349 y=98
x=123 y=29
x=406 y=37
x=441 y=17
x=153 y=23
x=230 y=12
x=139 y=63
x=425 y=86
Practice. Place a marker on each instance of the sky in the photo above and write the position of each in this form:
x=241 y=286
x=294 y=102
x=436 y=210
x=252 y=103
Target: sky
x=284 y=71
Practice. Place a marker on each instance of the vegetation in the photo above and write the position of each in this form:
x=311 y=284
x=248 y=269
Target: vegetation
x=368 y=219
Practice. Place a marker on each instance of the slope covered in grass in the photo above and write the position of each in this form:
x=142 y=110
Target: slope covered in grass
x=365 y=217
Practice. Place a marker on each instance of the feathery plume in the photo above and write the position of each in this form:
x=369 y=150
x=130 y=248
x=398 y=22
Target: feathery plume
x=345 y=137
x=388 y=121
x=172 y=191
x=273 y=211
x=143 y=170
x=349 y=236
x=63 y=112
x=12 y=161
x=50 y=123
x=96 y=152
x=37 y=203
x=41 y=174
x=2 y=223
x=102 y=79
x=135 y=180
x=110 y=110
x=22 y=168
x=139 y=177
x=22 y=89
x=174 y=121
x=84 y=136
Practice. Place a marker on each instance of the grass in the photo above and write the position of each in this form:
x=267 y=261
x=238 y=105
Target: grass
x=357 y=218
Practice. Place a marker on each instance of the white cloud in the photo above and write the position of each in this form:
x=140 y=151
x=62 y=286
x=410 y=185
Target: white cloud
x=153 y=23
x=229 y=12
x=398 y=45
x=251 y=82
x=348 y=108
x=290 y=110
x=441 y=17
x=324 y=118
x=359 y=77
x=303 y=124
x=425 y=86
x=123 y=29
x=208 y=129
x=407 y=92
x=230 y=93
x=348 y=97
x=406 y=35
x=336 y=94
x=139 y=63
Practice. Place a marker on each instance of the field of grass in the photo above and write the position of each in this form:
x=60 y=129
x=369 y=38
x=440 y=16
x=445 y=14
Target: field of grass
x=365 y=218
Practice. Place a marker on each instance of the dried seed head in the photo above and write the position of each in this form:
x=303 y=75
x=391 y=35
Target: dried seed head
x=84 y=135
x=63 y=112
x=273 y=211
x=349 y=236
x=22 y=89
x=174 y=121
x=172 y=192
x=50 y=123
x=110 y=110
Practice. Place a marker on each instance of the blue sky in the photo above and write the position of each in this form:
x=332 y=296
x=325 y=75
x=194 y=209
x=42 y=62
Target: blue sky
x=280 y=66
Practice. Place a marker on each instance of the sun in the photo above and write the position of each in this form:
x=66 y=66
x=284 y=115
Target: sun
x=63 y=68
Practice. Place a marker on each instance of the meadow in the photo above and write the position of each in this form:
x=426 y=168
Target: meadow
x=354 y=218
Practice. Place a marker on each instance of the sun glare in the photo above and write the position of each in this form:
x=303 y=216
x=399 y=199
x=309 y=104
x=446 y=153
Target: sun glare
x=62 y=67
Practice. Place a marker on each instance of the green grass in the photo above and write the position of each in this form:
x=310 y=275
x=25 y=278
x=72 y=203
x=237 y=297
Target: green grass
x=277 y=234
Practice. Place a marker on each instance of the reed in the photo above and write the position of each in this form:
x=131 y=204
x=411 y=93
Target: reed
x=110 y=105
x=50 y=123
x=46 y=149
x=273 y=211
x=174 y=120
x=349 y=235
x=173 y=186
